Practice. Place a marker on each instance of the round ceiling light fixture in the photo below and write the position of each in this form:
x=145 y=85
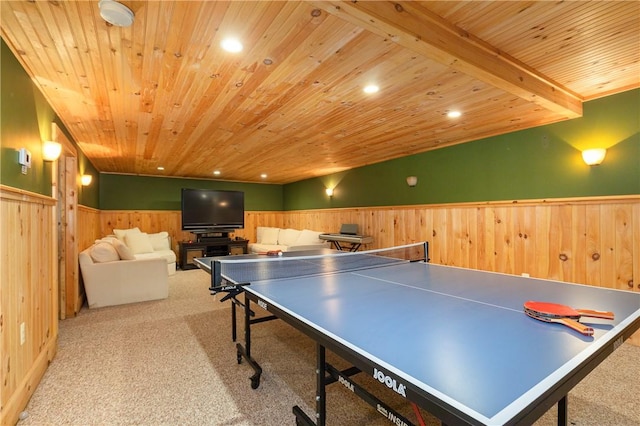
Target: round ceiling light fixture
x=115 y=13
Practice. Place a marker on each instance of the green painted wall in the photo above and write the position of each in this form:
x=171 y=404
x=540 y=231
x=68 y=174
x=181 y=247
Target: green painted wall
x=543 y=162
x=128 y=192
x=25 y=122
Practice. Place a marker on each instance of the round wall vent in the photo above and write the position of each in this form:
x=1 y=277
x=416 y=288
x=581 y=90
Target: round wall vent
x=115 y=13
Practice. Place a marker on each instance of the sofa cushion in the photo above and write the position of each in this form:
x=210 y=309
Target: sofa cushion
x=121 y=233
x=266 y=235
x=138 y=242
x=288 y=237
x=167 y=255
x=103 y=252
x=124 y=252
x=308 y=237
x=160 y=241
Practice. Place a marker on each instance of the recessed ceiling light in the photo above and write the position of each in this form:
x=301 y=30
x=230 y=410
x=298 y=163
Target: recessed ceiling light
x=263 y=176
x=454 y=114
x=232 y=45
x=216 y=172
x=160 y=168
x=371 y=88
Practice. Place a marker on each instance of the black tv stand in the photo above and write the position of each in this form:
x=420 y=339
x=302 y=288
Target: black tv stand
x=209 y=246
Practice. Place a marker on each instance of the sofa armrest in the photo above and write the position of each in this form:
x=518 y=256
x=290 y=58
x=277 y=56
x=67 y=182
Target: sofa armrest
x=125 y=281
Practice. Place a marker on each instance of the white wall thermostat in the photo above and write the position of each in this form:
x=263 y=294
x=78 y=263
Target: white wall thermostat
x=24 y=159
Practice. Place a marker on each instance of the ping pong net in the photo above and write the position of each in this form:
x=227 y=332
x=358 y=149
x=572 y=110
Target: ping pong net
x=228 y=273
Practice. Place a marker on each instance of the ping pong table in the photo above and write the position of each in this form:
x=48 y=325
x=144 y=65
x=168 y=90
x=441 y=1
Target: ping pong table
x=453 y=341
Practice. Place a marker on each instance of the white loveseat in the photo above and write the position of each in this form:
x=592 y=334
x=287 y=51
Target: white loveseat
x=113 y=276
x=272 y=239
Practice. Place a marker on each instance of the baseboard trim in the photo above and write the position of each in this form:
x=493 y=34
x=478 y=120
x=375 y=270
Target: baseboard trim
x=18 y=401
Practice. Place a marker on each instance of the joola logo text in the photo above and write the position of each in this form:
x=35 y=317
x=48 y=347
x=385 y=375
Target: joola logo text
x=390 y=382
x=262 y=304
x=347 y=384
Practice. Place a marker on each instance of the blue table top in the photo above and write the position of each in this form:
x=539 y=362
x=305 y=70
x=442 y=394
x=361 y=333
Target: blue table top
x=458 y=334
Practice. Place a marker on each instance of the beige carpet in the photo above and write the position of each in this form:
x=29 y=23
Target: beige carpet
x=172 y=362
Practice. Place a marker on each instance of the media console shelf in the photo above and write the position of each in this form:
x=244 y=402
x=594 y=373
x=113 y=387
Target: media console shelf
x=208 y=247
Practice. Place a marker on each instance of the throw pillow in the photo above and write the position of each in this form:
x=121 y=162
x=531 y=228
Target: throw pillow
x=123 y=251
x=121 y=233
x=160 y=241
x=308 y=237
x=103 y=252
x=259 y=234
x=138 y=242
x=288 y=237
x=106 y=240
x=270 y=235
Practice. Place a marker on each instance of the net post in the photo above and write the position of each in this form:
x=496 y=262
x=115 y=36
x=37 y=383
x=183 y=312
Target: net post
x=216 y=275
x=426 y=252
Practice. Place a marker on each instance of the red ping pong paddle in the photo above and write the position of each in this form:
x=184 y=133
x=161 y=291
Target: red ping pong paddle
x=562 y=314
x=563 y=311
x=272 y=252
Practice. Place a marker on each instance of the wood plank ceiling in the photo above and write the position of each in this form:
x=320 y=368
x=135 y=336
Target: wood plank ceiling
x=291 y=105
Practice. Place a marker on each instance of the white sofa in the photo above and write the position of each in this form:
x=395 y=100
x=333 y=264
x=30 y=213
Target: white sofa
x=111 y=278
x=272 y=239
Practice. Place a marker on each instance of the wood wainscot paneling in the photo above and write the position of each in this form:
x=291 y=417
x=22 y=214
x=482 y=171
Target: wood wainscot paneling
x=595 y=242
x=88 y=227
x=29 y=289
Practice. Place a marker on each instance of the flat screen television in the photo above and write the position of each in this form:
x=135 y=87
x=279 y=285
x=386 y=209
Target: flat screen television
x=210 y=210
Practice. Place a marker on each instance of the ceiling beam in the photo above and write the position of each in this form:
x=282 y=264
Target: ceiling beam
x=416 y=28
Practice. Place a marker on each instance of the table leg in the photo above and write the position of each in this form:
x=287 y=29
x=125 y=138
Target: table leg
x=233 y=321
x=562 y=411
x=245 y=351
x=321 y=397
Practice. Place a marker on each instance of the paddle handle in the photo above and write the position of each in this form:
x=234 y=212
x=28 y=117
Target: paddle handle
x=596 y=314
x=571 y=323
x=580 y=328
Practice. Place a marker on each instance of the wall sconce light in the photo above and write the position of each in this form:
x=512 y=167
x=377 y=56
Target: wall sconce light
x=86 y=180
x=51 y=150
x=412 y=181
x=329 y=192
x=593 y=157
